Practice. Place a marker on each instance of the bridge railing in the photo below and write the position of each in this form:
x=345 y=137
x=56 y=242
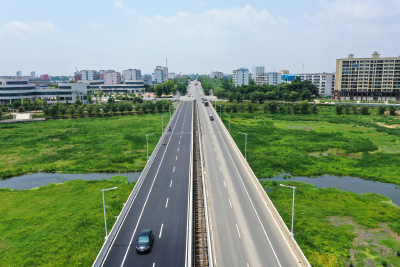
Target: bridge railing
x=121 y=217
x=281 y=224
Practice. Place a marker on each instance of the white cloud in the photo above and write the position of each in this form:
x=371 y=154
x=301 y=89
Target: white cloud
x=21 y=29
x=94 y=25
x=119 y=3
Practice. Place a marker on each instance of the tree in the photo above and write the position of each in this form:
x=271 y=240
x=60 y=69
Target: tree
x=339 y=109
x=58 y=98
x=78 y=102
x=114 y=108
x=286 y=96
x=46 y=111
x=89 y=109
x=239 y=97
x=364 y=110
x=80 y=110
x=16 y=103
x=129 y=107
x=159 y=90
x=144 y=107
x=71 y=110
x=53 y=110
x=21 y=109
x=355 y=109
x=306 y=95
x=250 y=107
x=314 y=109
x=293 y=96
x=270 y=95
x=272 y=106
x=282 y=109
x=160 y=105
x=121 y=107
x=63 y=109
x=392 y=110
x=304 y=105
x=89 y=98
x=97 y=109
x=347 y=109
x=231 y=97
x=138 y=107
x=234 y=108
x=111 y=100
x=381 y=110
x=106 y=108
x=296 y=108
x=253 y=97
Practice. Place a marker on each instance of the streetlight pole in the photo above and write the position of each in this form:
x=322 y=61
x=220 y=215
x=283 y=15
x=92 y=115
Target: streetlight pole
x=104 y=208
x=294 y=188
x=162 y=122
x=245 y=146
x=170 y=111
x=220 y=111
x=147 y=141
x=229 y=122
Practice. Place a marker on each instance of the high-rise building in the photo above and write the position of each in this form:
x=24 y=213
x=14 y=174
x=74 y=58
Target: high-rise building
x=112 y=77
x=19 y=73
x=160 y=74
x=324 y=81
x=217 y=74
x=271 y=78
x=257 y=70
x=86 y=75
x=131 y=74
x=240 y=77
x=44 y=77
x=171 y=75
x=373 y=78
x=33 y=74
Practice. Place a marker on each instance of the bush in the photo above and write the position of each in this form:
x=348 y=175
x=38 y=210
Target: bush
x=392 y=110
x=339 y=109
x=381 y=110
x=364 y=110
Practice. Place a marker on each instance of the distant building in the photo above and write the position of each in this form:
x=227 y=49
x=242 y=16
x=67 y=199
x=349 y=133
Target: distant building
x=160 y=74
x=148 y=80
x=86 y=75
x=19 y=73
x=284 y=72
x=288 y=78
x=112 y=77
x=33 y=74
x=131 y=74
x=101 y=74
x=271 y=78
x=217 y=74
x=240 y=77
x=44 y=77
x=257 y=70
x=324 y=81
x=373 y=78
x=40 y=81
x=171 y=75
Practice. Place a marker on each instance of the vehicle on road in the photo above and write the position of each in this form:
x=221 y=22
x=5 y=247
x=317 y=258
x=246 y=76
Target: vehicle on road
x=145 y=241
x=211 y=118
x=205 y=102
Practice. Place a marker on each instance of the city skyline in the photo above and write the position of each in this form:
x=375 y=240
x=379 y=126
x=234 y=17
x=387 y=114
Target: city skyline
x=196 y=37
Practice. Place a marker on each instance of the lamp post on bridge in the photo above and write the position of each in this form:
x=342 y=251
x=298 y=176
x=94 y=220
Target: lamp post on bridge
x=229 y=122
x=162 y=122
x=104 y=208
x=147 y=141
x=294 y=188
x=245 y=146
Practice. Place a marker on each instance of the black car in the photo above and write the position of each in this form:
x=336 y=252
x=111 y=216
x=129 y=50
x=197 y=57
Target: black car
x=211 y=118
x=145 y=241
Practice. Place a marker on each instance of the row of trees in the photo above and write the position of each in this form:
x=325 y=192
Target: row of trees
x=364 y=109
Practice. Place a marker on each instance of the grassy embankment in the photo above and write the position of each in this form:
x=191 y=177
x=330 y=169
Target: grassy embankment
x=109 y=144
x=318 y=144
x=58 y=224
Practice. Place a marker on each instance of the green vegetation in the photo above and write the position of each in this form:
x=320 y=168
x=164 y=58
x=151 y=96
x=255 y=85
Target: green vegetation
x=58 y=224
x=108 y=144
x=307 y=144
x=331 y=225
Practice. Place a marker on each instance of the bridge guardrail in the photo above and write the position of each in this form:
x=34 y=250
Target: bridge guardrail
x=284 y=229
x=107 y=243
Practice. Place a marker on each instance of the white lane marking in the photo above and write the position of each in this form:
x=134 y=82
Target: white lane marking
x=179 y=142
x=174 y=169
x=176 y=158
x=212 y=142
x=182 y=132
x=170 y=184
x=238 y=230
x=178 y=149
x=166 y=204
x=220 y=168
x=230 y=202
x=224 y=183
x=215 y=149
x=217 y=158
x=248 y=265
x=162 y=227
x=154 y=264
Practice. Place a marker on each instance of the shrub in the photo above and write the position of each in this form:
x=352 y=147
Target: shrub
x=339 y=109
x=365 y=110
x=392 y=110
x=381 y=110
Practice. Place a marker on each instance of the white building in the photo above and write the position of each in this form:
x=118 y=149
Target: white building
x=271 y=78
x=112 y=77
x=324 y=81
x=33 y=74
x=240 y=77
x=217 y=74
x=257 y=70
x=160 y=74
x=171 y=75
x=88 y=75
x=131 y=74
x=19 y=73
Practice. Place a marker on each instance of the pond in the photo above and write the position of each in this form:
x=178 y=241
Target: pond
x=352 y=184
x=29 y=181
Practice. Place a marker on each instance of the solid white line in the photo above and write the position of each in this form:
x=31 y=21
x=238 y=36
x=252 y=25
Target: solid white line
x=173 y=169
x=237 y=228
x=179 y=142
x=161 y=230
x=170 y=184
x=176 y=158
x=224 y=183
x=230 y=202
x=166 y=204
x=154 y=264
x=178 y=148
x=247 y=264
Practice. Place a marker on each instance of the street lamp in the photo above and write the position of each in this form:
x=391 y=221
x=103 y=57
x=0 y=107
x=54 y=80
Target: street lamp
x=294 y=188
x=220 y=111
x=170 y=111
x=229 y=122
x=104 y=207
x=147 y=140
x=245 y=146
x=162 y=122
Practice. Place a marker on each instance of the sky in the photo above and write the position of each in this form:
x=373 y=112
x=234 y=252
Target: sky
x=55 y=37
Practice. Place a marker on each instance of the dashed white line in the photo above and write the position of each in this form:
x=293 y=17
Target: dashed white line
x=166 y=204
x=220 y=168
x=181 y=136
x=179 y=142
x=163 y=225
x=176 y=158
x=237 y=228
x=230 y=202
x=178 y=149
x=173 y=169
x=154 y=264
x=217 y=158
x=215 y=149
x=170 y=184
x=224 y=183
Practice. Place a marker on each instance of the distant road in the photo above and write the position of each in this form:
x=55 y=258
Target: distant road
x=161 y=203
x=244 y=232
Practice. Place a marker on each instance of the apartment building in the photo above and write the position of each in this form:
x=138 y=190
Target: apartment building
x=160 y=74
x=240 y=77
x=373 y=78
x=284 y=72
x=271 y=78
x=257 y=70
x=33 y=74
x=112 y=77
x=131 y=74
x=324 y=81
x=217 y=74
x=19 y=73
x=86 y=75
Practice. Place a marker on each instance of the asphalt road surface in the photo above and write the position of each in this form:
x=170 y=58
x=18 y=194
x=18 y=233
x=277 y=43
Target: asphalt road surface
x=161 y=203
x=244 y=232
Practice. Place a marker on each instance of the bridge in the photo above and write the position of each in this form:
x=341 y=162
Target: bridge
x=243 y=226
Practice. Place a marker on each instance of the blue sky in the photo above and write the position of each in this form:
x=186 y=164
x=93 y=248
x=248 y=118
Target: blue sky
x=54 y=37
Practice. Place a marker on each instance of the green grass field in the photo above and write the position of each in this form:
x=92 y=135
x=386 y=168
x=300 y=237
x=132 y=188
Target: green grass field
x=58 y=224
x=318 y=144
x=108 y=144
